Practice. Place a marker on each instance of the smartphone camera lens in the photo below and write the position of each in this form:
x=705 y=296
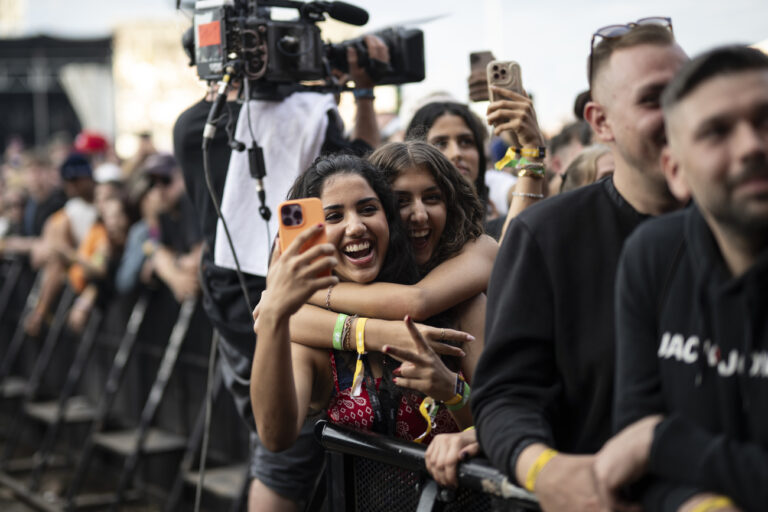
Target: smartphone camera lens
x=503 y=71
x=495 y=67
x=291 y=215
x=496 y=76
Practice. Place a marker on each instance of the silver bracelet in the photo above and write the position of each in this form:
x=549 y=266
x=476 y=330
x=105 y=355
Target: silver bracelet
x=528 y=194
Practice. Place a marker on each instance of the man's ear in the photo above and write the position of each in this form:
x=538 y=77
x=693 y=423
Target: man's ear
x=594 y=114
x=676 y=181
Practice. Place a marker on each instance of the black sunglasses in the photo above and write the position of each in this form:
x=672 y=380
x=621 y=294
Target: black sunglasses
x=616 y=31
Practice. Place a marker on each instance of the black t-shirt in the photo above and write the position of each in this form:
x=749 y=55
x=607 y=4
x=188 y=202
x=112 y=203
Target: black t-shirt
x=187 y=147
x=179 y=228
x=546 y=373
x=36 y=214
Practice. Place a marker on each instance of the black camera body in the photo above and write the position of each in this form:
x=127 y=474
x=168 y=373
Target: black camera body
x=240 y=35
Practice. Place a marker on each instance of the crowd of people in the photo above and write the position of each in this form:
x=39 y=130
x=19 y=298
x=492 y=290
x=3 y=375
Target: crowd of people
x=585 y=310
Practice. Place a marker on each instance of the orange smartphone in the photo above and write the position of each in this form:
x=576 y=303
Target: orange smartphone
x=295 y=217
x=505 y=74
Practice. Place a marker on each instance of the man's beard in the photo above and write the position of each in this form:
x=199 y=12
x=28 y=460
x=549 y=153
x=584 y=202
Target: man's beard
x=735 y=213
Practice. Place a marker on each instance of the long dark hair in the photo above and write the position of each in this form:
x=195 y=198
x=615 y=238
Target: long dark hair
x=426 y=116
x=464 y=211
x=399 y=264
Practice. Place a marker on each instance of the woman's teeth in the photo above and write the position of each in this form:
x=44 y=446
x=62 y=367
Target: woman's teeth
x=357 y=250
x=419 y=233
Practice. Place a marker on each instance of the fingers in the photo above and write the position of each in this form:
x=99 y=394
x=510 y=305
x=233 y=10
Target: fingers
x=506 y=93
x=469 y=451
x=320 y=251
x=444 y=335
x=304 y=237
x=506 y=112
x=512 y=125
x=418 y=339
x=444 y=349
x=319 y=266
x=403 y=355
x=275 y=251
x=377 y=49
x=443 y=456
x=414 y=384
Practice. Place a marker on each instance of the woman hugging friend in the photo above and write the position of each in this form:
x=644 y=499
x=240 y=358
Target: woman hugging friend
x=367 y=243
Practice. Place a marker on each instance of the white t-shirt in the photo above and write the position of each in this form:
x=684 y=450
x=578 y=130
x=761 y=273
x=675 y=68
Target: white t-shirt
x=291 y=133
x=499 y=183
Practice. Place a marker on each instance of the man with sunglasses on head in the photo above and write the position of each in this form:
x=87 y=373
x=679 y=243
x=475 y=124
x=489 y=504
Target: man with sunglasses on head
x=543 y=386
x=692 y=329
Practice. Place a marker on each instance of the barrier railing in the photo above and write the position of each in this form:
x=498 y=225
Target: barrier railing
x=370 y=472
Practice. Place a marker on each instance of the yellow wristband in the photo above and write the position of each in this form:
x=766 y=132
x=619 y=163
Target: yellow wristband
x=469 y=428
x=428 y=410
x=537 y=466
x=357 y=380
x=713 y=503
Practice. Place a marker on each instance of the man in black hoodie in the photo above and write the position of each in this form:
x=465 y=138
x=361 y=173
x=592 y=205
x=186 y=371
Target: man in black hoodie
x=545 y=379
x=692 y=292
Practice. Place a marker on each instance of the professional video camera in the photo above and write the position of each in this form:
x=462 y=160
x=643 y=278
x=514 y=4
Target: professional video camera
x=240 y=35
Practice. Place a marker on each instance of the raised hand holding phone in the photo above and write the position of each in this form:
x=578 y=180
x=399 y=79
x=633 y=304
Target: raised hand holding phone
x=511 y=111
x=297 y=272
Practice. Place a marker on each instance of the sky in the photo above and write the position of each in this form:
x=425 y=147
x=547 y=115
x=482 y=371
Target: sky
x=548 y=38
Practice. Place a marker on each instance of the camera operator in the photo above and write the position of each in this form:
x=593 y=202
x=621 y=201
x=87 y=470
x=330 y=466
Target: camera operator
x=292 y=132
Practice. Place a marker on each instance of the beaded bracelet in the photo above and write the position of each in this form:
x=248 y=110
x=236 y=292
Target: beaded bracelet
x=346 y=331
x=328 y=297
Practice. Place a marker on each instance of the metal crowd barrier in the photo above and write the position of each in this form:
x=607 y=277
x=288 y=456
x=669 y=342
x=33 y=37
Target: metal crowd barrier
x=118 y=387
x=369 y=472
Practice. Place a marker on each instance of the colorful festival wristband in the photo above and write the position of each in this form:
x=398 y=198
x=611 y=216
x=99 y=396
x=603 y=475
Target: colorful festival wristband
x=461 y=403
x=357 y=380
x=338 y=330
x=428 y=410
x=541 y=461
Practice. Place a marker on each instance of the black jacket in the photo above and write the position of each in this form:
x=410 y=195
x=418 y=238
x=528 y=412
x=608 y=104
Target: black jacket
x=546 y=373
x=693 y=346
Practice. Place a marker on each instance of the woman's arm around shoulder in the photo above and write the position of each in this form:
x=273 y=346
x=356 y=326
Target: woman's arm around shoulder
x=452 y=282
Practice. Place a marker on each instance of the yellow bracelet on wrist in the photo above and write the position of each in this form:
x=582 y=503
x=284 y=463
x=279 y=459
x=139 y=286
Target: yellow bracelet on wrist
x=541 y=461
x=712 y=504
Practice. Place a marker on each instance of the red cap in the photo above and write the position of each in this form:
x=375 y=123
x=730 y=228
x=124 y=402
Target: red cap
x=90 y=142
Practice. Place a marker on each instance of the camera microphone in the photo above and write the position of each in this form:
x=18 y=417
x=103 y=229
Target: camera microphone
x=347 y=13
x=213 y=115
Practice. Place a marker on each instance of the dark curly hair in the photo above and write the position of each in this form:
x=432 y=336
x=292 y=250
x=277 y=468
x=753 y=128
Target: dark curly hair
x=426 y=116
x=464 y=211
x=399 y=265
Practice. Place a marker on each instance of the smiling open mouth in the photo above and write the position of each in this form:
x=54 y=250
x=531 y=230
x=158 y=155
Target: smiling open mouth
x=419 y=237
x=358 y=250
